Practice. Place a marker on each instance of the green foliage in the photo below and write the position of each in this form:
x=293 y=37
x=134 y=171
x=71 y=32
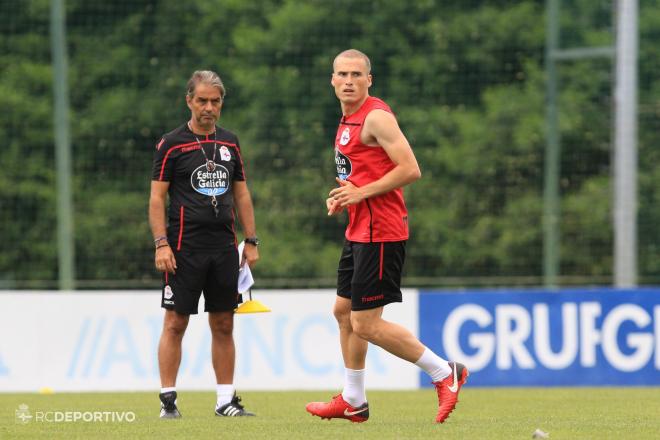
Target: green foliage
x=464 y=78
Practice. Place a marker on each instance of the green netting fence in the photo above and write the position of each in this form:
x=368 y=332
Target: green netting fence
x=465 y=79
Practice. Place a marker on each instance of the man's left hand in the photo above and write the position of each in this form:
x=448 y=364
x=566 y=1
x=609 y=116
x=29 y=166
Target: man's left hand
x=347 y=193
x=250 y=255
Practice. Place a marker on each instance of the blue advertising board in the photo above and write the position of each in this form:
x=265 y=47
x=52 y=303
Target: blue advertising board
x=576 y=337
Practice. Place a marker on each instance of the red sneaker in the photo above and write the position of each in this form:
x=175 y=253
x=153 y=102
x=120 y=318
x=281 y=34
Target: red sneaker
x=448 y=389
x=338 y=408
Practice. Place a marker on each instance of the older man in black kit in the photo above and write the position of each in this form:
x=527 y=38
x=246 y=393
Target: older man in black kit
x=199 y=166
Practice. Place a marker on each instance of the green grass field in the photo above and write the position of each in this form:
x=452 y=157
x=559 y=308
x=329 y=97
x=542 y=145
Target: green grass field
x=500 y=413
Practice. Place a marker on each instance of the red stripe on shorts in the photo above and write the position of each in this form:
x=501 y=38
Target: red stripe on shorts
x=380 y=273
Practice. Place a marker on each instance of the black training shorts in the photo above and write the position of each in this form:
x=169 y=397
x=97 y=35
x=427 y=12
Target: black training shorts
x=213 y=272
x=370 y=273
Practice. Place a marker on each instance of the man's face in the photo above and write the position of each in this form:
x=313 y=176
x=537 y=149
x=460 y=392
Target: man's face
x=205 y=105
x=350 y=79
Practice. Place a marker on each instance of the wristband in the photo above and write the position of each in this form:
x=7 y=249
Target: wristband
x=252 y=240
x=162 y=245
x=157 y=239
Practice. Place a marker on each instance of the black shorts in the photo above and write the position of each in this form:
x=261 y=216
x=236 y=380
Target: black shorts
x=370 y=273
x=213 y=272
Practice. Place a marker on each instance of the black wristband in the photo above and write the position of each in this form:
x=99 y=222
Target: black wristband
x=252 y=240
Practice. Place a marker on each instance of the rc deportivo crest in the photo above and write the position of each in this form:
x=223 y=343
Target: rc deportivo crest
x=168 y=294
x=210 y=183
x=225 y=154
x=344 y=166
x=345 y=136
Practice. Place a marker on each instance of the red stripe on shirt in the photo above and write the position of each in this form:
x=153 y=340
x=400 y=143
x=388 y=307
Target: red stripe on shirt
x=162 y=167
x=238 y=153
x=176 y=147
x=232 y=229
x=178 y=245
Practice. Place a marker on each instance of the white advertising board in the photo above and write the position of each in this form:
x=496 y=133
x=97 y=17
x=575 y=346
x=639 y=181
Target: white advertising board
x=107 y=341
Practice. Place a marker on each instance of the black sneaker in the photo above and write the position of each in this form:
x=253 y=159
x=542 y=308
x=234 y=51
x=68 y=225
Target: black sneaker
x=233 y=409
x=168 y=409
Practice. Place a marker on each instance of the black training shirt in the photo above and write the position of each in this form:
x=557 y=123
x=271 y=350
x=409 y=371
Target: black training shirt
x=178 y=159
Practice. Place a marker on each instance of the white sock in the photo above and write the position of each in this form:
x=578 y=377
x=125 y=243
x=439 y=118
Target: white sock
x=224 y=394
x=167 y=389
x=434 y=365
x=354 y=393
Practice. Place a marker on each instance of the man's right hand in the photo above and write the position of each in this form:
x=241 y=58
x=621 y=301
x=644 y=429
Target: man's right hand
x=165 y=261
x=334 y=206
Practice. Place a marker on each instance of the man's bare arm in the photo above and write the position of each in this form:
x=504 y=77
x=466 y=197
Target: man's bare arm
x=381 y=128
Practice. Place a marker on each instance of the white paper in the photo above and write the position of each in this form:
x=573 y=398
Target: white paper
x=245 y=280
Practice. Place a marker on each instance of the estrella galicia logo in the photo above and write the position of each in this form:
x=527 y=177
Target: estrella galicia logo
x=343 y=163
x=210 y=183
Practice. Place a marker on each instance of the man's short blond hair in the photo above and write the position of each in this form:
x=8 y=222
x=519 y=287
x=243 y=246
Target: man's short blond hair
x=353 y=53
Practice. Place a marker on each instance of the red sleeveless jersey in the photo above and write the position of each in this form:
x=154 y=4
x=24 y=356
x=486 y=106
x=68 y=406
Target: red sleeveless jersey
x=376 y=219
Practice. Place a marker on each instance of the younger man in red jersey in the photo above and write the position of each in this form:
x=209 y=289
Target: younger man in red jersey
x=374 y=161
